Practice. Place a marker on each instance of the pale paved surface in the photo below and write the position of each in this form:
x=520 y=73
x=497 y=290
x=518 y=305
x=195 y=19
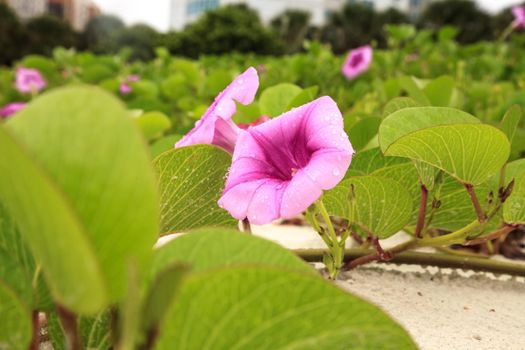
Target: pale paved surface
x=443 y=309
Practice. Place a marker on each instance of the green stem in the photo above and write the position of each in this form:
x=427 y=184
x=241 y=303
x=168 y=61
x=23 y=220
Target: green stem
x=506 y=32
x=326 y=218
x=455 y=237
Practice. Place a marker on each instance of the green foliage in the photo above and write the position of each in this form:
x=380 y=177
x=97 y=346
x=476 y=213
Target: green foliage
x=15 y=328
x=469 y=153
x=276 y=99
x=191 y=180
x=298 y=302
x=236 y=249
x=377 y=205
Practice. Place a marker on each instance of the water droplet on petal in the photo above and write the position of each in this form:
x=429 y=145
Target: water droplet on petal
x=336 y=171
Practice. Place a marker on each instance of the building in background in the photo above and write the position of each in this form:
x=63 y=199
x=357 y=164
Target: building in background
x=184 y=12
x=76 y=12
x=26 y=9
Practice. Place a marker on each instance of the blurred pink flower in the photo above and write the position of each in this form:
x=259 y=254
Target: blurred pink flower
x=519 y=16
x=282 y=166
x=357 y=62
x=256 y=122
x=11 y=109
x=29 y=80
x=125 y=89
x=132 y=78
x=216 y=127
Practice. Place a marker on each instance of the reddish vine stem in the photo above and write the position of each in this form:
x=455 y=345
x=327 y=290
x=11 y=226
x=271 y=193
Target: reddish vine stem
x=378 y=255
x=482 y=217
x=422 y=211
x=69 y=323
x=35 y=340
x=496 y=234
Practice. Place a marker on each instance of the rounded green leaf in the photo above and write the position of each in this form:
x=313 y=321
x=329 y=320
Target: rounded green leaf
x=514 y=207
x=153 y=124
x=191 y=180
x=15 y=327
x=51 y=230
x=199 y=250
x=97 y=157
x=276 y=99
x=397 y=104
x=439 y=91
x=250 y=308
x=471 y=153
x=382 y=206
x=362 y=132
x=408 y=120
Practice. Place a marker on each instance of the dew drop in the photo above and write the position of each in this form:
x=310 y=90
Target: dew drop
x=336 y=171
x=241 y=81
x=327 y=118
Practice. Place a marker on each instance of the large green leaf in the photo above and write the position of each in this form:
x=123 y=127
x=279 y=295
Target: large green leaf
x=276 y=99
x=100 y=162
x=471 y=153
x=15 y=327
x=382 y=206
x=191 y=182
x=51 y=229
x=200 y=251
x=263 y=308
x=514 y=207
x=408 y=120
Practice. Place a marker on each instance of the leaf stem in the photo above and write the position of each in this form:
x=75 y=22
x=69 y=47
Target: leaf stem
x=482 y=217
x=69 y=323
x=422 y=211
x=496 y=234
x=326 y=218
x=35 y=340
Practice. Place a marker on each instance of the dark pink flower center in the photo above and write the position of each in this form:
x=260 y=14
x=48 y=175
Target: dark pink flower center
x=284 y=159
x=356 y=60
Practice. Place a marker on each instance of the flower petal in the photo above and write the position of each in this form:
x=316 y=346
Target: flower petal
x=266 y=202
x=300 y=193
x=328 y=167
x=237 y=199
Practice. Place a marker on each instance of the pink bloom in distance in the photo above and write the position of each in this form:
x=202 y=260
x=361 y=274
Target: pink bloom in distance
x=216 y=127
x=132 y=78
x=125 y=89
x=281 y=167
x=12 y=108
x=519 y=16
x=29 y=80
x=258 y=121
x=357 y=62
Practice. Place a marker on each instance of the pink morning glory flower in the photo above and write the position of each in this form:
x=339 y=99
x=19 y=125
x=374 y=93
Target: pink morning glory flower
x=519 y=16
x=216 y=127
x=125 y=89
x=258 y=121
x=357 y=62
x=10 y=109
x=132 y=78
x=281 y=167
x=29 y=80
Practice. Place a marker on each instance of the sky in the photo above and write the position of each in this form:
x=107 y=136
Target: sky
x=156 y=12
